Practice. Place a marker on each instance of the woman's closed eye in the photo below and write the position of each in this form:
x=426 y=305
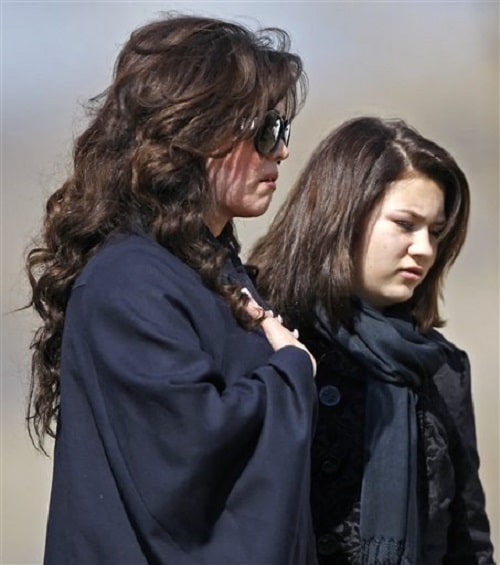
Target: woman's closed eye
x=406 y=225
x=437 y=232
x=410 y=226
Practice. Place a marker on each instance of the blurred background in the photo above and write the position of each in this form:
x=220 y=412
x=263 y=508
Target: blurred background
x=434 y=63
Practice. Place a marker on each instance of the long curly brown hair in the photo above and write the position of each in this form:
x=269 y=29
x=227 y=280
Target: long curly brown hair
x=182 y=89
x=306 y=257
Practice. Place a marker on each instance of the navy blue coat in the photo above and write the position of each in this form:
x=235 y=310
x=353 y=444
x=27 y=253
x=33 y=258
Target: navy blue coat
x=182 y=438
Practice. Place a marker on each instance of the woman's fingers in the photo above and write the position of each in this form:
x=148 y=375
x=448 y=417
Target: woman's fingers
x=254 y=309
x=279 y=336
x=276 y=333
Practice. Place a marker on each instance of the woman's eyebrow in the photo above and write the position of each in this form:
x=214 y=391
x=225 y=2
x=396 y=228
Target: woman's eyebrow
x=440 y=220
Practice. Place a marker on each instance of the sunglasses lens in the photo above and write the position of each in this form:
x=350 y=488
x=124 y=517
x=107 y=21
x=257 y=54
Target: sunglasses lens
x=286 y=133
x=270 y=133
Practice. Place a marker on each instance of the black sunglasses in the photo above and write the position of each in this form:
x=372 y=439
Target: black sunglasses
x=268 y=136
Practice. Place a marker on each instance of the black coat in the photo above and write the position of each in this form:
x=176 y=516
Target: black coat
x=182 y=438
x=454 y=524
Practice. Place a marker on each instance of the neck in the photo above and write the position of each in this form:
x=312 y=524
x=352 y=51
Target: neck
x=215 y=224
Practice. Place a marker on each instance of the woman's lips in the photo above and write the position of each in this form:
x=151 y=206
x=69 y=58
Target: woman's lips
x=413 y=273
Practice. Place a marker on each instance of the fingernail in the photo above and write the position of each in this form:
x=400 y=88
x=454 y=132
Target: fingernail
x=245 y=291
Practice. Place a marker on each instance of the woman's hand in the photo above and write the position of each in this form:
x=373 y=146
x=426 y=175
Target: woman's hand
x=276 y=333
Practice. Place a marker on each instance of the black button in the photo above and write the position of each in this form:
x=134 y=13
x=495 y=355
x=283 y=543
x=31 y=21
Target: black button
x=327 y=544
x=329 y=395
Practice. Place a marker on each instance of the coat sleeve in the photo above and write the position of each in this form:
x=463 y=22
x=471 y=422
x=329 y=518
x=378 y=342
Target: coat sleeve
x=469 y=533
x=196 y=415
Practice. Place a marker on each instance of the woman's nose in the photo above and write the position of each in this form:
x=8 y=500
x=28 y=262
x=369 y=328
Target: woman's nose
x=422 y=244
x=281 y=152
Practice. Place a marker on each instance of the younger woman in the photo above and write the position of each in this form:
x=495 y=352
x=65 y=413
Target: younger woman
x=356 y=259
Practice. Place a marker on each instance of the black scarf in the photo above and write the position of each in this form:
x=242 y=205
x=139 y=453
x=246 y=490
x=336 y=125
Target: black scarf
x=398 y=358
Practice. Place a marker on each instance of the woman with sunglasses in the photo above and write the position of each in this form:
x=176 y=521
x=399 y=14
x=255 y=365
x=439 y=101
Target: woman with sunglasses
x=174 y=399
x=356 y=259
